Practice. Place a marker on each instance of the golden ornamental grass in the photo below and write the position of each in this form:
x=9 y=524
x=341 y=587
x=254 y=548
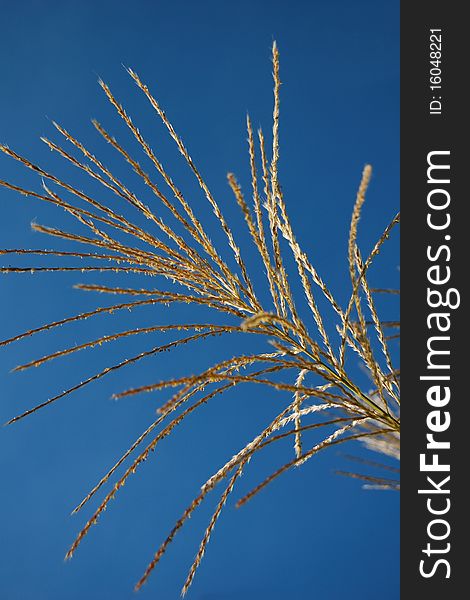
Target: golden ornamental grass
x=303 y=360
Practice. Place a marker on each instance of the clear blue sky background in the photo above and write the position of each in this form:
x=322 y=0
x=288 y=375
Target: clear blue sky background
x=310 y=535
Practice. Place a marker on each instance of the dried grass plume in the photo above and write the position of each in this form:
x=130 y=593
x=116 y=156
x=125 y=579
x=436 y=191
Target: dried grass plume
x=305 y=359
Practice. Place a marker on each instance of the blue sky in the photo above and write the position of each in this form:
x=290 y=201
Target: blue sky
x=312 y=534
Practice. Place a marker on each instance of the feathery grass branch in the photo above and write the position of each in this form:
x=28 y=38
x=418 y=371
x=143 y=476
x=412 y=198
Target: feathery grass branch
x=322 y=391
